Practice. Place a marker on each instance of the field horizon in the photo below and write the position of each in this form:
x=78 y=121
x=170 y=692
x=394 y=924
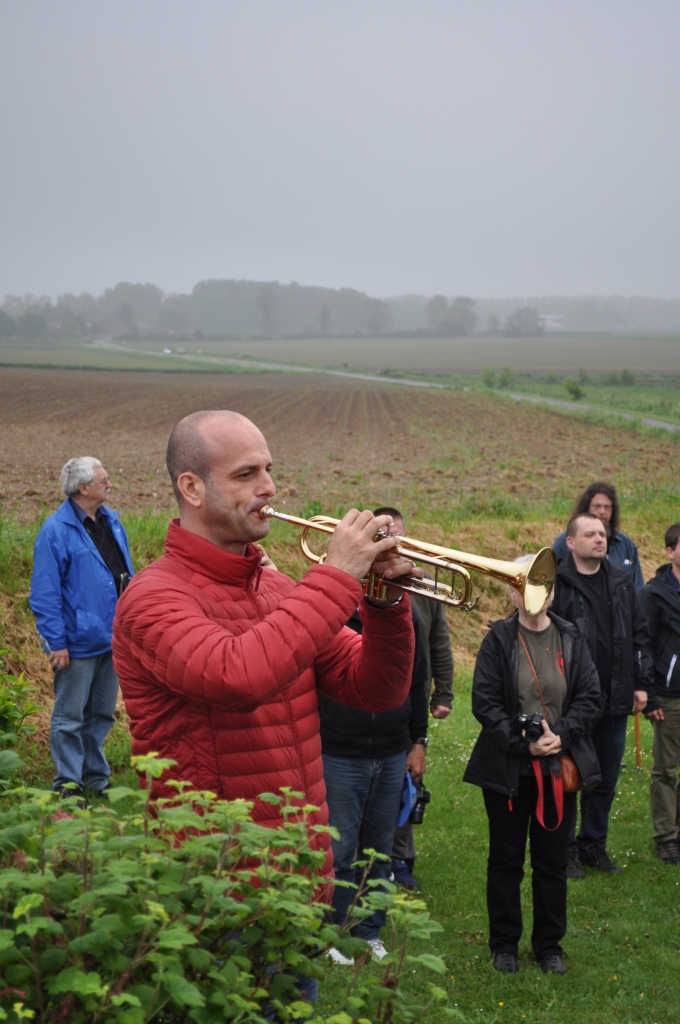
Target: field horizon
x=644 y=353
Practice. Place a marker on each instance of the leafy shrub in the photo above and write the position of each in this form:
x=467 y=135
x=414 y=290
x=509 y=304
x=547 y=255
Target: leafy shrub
x=506 y=377
x=489 y=377
x=627 y=378
x=583 y=376
x=16 y=705
x=574 y=389
x=184 y=910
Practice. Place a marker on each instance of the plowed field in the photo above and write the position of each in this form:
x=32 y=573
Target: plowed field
x=471 y=471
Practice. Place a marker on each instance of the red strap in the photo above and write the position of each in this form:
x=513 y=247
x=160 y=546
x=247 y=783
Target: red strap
x=558 y=796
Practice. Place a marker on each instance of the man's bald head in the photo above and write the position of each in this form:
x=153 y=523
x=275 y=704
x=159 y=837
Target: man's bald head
x=197 y=441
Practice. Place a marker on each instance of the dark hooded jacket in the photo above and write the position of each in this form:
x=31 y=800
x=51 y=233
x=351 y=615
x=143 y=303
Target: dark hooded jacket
x=661 y=603
x=499 y=750
x=631 y=661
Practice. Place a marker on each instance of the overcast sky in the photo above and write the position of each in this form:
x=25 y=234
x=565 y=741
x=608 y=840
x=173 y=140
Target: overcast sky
x=480 y=147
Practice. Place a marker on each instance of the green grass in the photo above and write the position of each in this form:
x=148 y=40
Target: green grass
x=654 y=397
x=80 y=355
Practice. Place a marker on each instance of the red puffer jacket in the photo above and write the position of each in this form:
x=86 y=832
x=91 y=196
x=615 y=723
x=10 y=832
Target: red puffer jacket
x=219 y=661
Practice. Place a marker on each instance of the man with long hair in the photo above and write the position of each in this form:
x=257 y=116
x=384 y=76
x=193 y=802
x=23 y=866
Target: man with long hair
x=600 y=499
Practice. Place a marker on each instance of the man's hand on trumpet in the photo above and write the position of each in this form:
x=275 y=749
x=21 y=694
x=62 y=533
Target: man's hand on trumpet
x=352 y=548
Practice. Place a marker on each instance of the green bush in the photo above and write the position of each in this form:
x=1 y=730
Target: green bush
x=574 y=389
x=177 y=911
x=627 y=378
x=16 y=705
x=489 y=377
x=506 y=377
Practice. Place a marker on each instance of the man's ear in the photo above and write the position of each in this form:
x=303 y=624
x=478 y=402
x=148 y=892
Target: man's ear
x=192 y=489
x=570 y=542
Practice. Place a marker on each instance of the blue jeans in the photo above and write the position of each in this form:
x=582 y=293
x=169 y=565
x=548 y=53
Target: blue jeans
x=85 y=697
x=609 y=740
x=309 y=991
x=363 y=803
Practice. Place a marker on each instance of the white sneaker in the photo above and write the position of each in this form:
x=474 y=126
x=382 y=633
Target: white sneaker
x=337 y=957
x=377 y=948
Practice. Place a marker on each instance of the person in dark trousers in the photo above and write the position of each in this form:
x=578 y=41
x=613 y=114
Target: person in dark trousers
x=439 y=695
x=601 y=600
x=517 y=651
x=364 y=763
x=81 y=566
x=660 y=599
x=600 y=499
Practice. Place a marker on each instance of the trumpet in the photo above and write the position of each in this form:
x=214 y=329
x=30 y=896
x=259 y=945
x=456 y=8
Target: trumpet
x=532 y=579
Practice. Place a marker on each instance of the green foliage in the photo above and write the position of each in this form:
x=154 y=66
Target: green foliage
x=627 y=378
x=507 y=377
x=583 y=376
x=16 y=705
x=489 y=377
x=613 y=379
x=574 y=389
x=16 y=554
x=184 y=910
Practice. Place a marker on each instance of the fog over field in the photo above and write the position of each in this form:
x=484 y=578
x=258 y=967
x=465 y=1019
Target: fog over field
x=471 y=148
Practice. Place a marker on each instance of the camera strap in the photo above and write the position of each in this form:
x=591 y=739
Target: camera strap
x=558 y=796
x=558 y=793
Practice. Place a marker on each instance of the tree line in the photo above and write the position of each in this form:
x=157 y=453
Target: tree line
x=231 y=308
x=228 y=308
x=213 y=307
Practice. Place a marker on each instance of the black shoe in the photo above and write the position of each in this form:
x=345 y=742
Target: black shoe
x=402 y=875
x=553 y=964
x=574 y=866
x=506 y=962
x=669 y=851
x=602 y=862
x=72 y=789
x=103 y=793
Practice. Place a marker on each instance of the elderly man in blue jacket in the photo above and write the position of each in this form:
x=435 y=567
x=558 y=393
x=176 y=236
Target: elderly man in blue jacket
x=82 y=565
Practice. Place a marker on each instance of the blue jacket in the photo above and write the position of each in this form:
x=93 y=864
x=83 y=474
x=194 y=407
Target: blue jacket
x=73 y=592
x=621 y=550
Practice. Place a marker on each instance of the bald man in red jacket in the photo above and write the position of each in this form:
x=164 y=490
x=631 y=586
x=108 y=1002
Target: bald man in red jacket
x=220 y=659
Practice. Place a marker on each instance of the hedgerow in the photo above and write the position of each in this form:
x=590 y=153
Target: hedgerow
x=179 y=910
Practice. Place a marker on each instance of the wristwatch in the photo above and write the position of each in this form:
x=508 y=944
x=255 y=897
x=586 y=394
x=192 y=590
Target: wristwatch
x=423 y=742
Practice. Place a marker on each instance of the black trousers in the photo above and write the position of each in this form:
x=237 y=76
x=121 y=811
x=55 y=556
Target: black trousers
x=548 y=850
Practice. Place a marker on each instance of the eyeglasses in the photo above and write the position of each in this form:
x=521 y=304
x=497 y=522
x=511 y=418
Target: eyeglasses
x=96 y=483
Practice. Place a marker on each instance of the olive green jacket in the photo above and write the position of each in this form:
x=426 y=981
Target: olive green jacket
x=432 y=618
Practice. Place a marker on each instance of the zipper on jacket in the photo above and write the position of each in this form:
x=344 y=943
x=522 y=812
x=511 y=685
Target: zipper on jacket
x=670 y=670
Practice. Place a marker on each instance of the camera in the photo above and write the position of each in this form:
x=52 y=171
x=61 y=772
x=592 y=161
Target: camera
x=423 y=798
x=531 y=725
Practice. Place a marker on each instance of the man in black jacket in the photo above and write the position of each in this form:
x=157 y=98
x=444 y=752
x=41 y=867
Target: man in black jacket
x=600 y=599
x=661 y=601
x=364 y=762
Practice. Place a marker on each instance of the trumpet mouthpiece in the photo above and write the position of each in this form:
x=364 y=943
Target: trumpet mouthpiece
x=266 y=512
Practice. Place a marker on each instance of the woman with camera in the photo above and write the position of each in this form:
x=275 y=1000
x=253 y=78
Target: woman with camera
x=536 y=694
